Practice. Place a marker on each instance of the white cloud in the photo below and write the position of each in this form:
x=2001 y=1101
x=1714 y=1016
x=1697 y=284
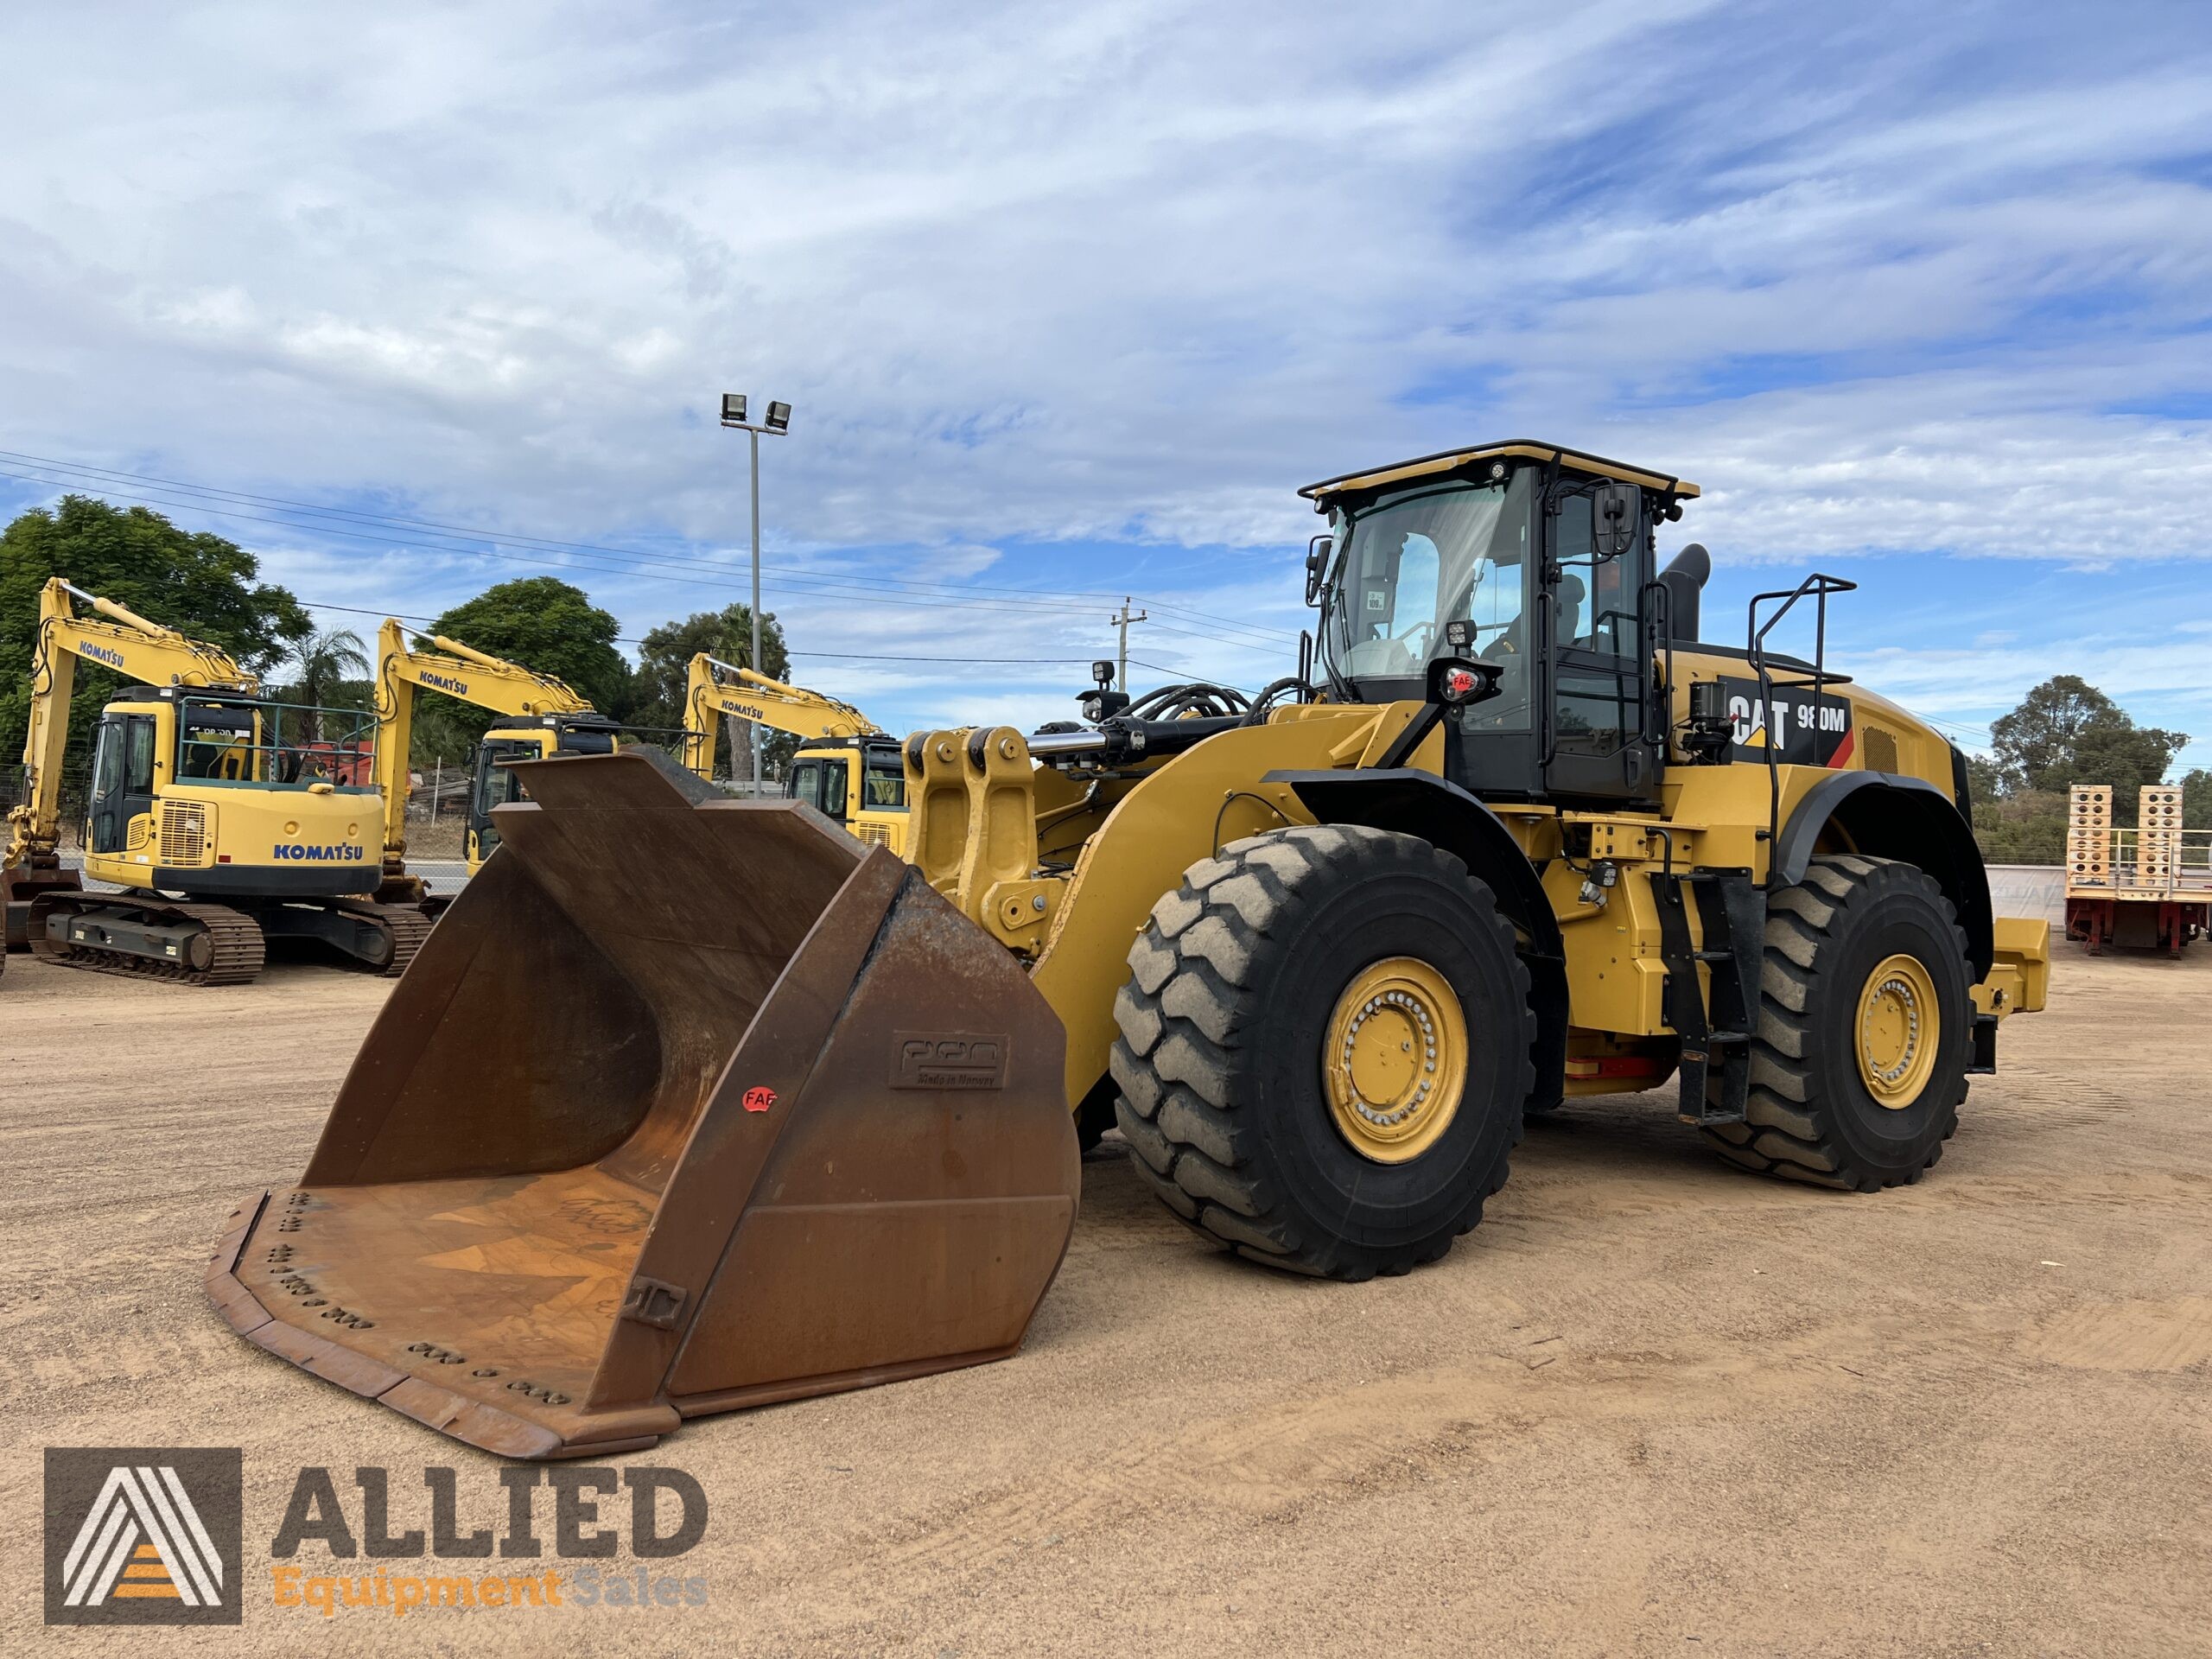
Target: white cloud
x=1107 y=283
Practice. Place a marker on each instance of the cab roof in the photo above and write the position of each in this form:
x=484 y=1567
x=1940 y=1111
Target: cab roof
x=1449 y=460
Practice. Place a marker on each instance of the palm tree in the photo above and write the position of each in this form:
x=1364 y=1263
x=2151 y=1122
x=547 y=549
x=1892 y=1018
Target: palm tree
x=324 y=662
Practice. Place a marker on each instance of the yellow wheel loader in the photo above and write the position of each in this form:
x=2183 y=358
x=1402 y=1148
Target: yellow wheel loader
x=696 y=1103
x=846 y=768
x=540 y=715
x=214 y=807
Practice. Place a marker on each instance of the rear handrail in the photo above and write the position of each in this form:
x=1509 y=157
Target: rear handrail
x=1818 y=586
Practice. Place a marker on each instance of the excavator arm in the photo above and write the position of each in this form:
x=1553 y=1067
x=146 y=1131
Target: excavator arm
x=122 y=640
x=461 y=671
x=805 y=714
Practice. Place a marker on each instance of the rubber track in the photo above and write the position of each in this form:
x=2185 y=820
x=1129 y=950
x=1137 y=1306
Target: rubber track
x=1182 y=1010
x=236 y=939
x=1784 y=1132
x=408 y=925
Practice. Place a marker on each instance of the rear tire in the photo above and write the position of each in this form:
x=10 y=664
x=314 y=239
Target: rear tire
x=1312 y=940
x=1850 y=1086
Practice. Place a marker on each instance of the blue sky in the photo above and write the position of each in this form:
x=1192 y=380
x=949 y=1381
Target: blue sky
x=1071 y=300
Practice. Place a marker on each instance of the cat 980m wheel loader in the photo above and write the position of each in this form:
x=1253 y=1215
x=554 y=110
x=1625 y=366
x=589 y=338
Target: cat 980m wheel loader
x=694 y=1103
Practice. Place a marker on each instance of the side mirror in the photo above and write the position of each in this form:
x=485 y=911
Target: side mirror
x=1317 y=565
x=1456 y=682
x=1613 y=509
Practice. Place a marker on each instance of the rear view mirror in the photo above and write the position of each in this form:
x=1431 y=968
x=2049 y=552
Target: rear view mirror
x=1613 y=518
x=1316 y=564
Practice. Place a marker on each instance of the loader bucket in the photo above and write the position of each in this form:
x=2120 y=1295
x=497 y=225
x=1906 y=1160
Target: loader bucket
x=686 y=1105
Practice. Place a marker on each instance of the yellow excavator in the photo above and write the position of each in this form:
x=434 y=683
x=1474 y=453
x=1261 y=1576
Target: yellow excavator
x=223 y=819
x=694 y=1103
x=846 y=768
x=541 y=716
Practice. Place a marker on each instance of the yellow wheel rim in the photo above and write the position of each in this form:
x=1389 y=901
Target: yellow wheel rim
x=1395 y=1061
x=1900 y=1031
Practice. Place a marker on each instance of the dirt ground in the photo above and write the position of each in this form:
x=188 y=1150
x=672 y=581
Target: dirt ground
x=1652 y=1405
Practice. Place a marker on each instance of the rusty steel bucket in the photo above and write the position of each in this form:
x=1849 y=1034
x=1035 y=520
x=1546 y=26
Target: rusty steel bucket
x=686 y=1105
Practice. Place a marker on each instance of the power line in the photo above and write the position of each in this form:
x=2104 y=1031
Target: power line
x=812 y=586
x=1040 y=599
x=835 y=656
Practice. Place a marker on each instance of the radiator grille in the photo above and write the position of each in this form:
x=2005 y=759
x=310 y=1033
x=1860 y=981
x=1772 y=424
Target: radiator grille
x=184 y=833
x=1881 y=750
x=874 y=834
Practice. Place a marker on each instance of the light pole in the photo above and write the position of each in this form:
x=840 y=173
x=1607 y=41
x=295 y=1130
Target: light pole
x=778 y=423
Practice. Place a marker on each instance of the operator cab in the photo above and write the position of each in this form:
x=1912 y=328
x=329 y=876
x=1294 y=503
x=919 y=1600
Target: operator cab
x=496 y=783
x=151 y=737
x=842 y=776
x=1534 y=559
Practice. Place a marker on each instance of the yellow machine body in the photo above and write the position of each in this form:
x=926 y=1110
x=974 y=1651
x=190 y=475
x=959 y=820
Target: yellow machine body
x=985 y=833
x=209 y=820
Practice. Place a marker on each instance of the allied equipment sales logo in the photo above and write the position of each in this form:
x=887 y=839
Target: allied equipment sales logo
x=142 y=1535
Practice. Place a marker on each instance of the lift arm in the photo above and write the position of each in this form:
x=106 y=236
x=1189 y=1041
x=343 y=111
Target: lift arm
x=124 y=641
x=756 y=698
x=461 y=671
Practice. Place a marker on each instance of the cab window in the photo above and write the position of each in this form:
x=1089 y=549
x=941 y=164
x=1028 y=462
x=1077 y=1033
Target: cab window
x=821 y=785
x=107 y=760
x=1418 y=560
x=138 y=758
x=885 y=785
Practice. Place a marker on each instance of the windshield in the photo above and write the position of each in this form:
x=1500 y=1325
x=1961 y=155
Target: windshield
x=1414 y=561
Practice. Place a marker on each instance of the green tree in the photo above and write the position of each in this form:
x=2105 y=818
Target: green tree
x=664 y=658
x=2067 y=732
x=329 y=669
x=2197 y=799
x=195 y=582
x=541 y=622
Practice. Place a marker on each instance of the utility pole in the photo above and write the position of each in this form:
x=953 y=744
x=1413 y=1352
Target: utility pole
x=1122 y=620
x=777 y=425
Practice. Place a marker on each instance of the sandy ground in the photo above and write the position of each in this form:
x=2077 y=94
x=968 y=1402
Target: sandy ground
x=1652 y=1405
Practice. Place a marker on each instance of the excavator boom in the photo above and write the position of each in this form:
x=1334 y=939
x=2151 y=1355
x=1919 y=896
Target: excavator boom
x=134 y=647
x=459 y=671
x=807 y=716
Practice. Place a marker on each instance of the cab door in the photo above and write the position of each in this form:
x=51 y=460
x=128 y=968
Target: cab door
x=820 y=781
x=123 y=780
x=1598 y=741
x=495 y=785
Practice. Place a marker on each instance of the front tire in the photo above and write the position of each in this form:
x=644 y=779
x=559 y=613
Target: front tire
x=1326 y=1041
x=1858 y=1064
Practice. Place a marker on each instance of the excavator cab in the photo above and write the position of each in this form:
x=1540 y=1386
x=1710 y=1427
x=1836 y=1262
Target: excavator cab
x=496 y=783
x=860 y=782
